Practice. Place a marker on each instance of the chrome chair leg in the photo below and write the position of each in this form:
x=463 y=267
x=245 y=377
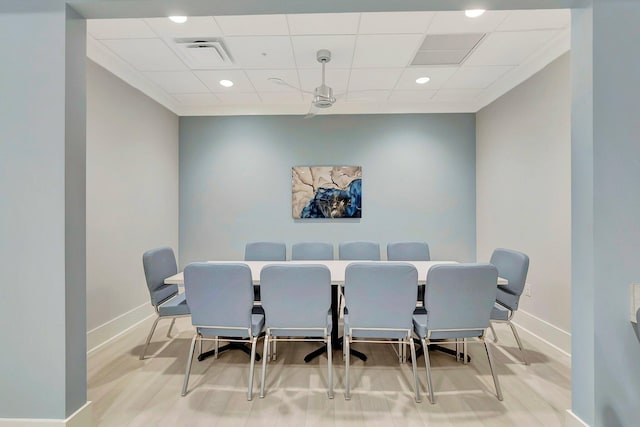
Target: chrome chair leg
x=189 y=362
x=330 y=366
x=515 y=334
x=173 y=321
x=465 y=351
x=254 y=343
x=265 y=356
x=493 y=331
x=493 y=371
x=427 y=363
x=415 y=368
x=347 y=356
x=146 y=344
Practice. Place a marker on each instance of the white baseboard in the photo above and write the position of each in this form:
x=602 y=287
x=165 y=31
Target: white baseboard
x=99 y=336
x=543 y=330
x=572 y=420
x=83 y=417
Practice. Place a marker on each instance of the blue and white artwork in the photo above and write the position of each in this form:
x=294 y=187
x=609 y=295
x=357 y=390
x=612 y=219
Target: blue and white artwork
x=326 y=191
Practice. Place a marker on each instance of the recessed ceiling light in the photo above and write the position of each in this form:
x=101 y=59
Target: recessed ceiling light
x=422 y=80
x=178 y=19
x=226 y=83
x=474 y=13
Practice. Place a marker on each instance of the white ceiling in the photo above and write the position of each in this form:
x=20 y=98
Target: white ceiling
x=370 y=69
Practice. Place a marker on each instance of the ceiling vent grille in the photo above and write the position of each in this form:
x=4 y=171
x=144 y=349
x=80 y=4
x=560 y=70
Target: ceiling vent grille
x=202 y=52
x=446 y=49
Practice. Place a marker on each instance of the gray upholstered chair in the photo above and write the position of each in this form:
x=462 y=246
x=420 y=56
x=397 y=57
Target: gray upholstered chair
x=159 y=264
x=458 y=299
x=297 y=303
x=311 y=251
x=513 y=266
x=221 y=300
x=380 y=299
x=359 y=250
x=265 y=251
x=408 y=251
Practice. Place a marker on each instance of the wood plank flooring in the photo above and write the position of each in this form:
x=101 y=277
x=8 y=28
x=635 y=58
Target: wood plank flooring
x=126 y=391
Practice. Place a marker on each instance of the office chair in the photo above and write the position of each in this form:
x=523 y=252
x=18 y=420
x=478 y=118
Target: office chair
x=159 y=264
x=312 y=251
x=458 y=299
x=221 y=301
x=380 y=299
x=297 y=303
x=513 y=266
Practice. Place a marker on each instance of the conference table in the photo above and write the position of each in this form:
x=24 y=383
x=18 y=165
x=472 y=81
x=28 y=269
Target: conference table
x=337 y=269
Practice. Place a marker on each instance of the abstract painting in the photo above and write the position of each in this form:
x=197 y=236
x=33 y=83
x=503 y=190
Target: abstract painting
x=326 y=191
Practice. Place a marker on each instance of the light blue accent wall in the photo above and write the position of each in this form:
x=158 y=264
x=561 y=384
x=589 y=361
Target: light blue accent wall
x=606 y=214
x=42 y=210
x=418 y=181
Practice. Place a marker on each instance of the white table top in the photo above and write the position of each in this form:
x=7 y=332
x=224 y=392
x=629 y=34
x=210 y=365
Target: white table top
x=337 y=268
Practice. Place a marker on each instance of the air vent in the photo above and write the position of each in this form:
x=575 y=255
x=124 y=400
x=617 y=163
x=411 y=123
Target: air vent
x=202 y=52
x=446 y=49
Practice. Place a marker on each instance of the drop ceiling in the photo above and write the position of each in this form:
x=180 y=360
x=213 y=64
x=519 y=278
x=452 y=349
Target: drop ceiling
x=371 y=70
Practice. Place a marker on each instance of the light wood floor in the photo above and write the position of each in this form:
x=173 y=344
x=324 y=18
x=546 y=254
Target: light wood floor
x=128 y=392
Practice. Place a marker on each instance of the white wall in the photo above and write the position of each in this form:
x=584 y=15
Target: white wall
x=524 y=192
x=132 y=199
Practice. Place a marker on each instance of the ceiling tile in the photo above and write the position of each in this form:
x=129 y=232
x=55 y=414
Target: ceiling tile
x=239 y=98
x=261 y=52
x=457 y=22
x=519 y=20
x=306 y=47
x=119 y=29
x=336 y=78
x=395 y=22
x=177 y=81
x=323 y=23
x=438 y=76
x=360 y=96
x=197 y=99
x=212 y=79
x=281 y=98
x=146 y=54
x=196 y=26
x=411 y=96
x=509 y=48
x=396 y=50
x=260 y=80
x=475 y=77
x=374 y=79
x=253 y=25
x=454 y=95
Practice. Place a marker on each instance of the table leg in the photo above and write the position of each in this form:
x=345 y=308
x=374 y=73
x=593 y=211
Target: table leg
x=336 y=341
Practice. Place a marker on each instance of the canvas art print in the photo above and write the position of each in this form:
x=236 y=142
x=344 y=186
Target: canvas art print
x=327 y=191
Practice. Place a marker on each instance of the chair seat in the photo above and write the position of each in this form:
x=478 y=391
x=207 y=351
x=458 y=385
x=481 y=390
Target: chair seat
x=257 y=324
x=175 y=306
x=500 y=312
x=420 y=328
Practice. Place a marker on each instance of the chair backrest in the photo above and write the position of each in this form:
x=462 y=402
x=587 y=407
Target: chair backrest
x=265 y=251
x=513 y=266
x=219 y=294
x=460 y=296
x=312 y=251
x=408 y=251
x=295 y=296
x=380 y=295
x=159 y=264
x=359 y=250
